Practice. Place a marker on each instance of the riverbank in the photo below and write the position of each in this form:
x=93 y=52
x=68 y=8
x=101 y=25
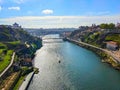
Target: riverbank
x=27 y=81
x=26 y=76
x=103 y=54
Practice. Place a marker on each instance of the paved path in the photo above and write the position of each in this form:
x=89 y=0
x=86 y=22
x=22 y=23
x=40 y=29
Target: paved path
x=12 y=59
x=104 y=50
x=26 y=81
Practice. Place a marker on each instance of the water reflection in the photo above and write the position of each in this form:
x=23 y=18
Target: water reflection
x=79 y=69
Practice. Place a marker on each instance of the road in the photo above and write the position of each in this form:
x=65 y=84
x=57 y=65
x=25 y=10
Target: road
x=12 y=59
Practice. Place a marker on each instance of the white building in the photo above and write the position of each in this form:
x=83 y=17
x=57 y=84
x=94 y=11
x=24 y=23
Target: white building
x=118 y=25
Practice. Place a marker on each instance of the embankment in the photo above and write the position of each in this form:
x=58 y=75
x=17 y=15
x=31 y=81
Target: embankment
x=105 y=57
x=27 y=81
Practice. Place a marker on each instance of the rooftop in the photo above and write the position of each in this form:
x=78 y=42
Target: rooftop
x=112 y=42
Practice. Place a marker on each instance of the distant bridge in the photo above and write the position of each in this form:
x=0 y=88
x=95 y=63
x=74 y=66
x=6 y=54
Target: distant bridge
x=52 y=41
x=52 y=38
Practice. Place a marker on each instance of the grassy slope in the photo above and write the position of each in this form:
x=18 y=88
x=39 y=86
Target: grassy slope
x=92 y=38
x=20 y=81
x=95 y=37
x=6 y=57
x=14 y=43
x=6 y=60
x=10 y=39
x=114 y=37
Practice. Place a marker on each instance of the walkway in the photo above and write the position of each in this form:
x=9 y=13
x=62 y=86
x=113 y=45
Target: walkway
x=12 y=59
x=26 y=81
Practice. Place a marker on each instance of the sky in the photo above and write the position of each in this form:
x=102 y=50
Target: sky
x=59 y=13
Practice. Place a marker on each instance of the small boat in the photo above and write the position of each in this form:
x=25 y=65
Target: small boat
x=59 y=61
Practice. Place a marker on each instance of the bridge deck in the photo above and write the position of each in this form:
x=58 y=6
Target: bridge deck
x=51 y=38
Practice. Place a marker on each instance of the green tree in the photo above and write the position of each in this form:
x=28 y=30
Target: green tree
x=104 y=26
x=107 y=26
x=111 y=26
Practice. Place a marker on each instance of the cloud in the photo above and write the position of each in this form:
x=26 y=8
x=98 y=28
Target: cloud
x=60 y=21
x=47 y=11
x=0 y=8
x=14 y=8
x=19 y=1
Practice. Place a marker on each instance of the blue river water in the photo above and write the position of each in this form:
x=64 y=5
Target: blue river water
x=66 y=66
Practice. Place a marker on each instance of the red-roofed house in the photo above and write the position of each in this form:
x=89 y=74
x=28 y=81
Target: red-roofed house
x=111 y=45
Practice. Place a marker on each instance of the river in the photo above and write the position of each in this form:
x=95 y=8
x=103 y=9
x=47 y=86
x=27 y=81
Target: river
x=66 y=66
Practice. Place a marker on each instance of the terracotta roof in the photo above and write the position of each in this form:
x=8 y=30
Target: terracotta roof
x=28 y=60
x=112 y=42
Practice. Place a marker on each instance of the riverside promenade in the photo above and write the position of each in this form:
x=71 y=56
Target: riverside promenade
x=7 y=68
x=104 y=50
x=27 y=81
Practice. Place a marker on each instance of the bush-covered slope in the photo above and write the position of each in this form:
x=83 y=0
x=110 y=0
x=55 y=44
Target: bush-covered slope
x=13 y=37
x=16 y=40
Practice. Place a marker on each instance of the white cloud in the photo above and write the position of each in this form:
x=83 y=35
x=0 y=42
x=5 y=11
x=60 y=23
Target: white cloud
x=19 y=1
x=14 y=8
x=47 y=11
x=0 y=8
x=60 y=21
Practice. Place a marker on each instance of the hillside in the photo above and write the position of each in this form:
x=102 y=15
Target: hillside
x=10 y=36
x=97 y=37
x=16 y=40
x=24 y=45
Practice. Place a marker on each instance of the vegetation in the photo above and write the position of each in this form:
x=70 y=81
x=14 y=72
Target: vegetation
x=97 y=40
x=92 y=38
x=14 y=40
x=25 y=72
x=6 y=60
x=2 y=46
x=96 y=35
x=10 y=81
x=113 y=37
x=20 y=81
x=107 y=26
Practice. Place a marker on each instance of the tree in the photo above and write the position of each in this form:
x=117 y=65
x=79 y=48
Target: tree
x=111 y=26
x=104 y=26
x=107 y=26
